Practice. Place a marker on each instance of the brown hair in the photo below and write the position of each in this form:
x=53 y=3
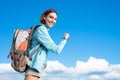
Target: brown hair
x=45 y=14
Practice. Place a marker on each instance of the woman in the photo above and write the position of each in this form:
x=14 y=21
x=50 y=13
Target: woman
x=42 y=37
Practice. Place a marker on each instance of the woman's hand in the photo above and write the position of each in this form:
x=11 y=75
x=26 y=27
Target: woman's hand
x=66 y=36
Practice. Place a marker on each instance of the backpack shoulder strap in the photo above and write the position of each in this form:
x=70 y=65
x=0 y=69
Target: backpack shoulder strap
x=33 y=28
x=30 y=56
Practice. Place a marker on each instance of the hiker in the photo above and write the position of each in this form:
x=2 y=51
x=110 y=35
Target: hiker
x=42 y=38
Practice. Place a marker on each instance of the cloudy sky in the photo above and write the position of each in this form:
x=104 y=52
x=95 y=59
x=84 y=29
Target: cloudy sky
x=93 y=49
x=93 y=69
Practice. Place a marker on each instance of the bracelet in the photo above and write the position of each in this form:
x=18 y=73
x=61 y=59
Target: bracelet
x=64 y=38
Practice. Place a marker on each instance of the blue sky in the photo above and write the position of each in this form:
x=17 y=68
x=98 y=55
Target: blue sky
x=94 y=27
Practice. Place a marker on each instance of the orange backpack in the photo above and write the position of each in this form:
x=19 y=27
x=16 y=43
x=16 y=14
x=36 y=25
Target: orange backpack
x=19 y=49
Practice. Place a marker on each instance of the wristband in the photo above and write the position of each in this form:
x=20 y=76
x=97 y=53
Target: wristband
x=64 y=38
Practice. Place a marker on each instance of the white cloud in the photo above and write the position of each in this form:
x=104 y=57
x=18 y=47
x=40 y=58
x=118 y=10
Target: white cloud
x=7 y=73
x=95 y=77
x=55 y=66
x=92 y=65
x=93 y=69
x=113 y=72
x=4 y=67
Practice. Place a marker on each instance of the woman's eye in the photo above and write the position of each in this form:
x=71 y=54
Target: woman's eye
x=51 y=16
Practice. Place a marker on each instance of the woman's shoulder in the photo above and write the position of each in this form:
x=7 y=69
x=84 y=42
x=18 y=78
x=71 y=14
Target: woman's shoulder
x=43 y=27
x=41 y=30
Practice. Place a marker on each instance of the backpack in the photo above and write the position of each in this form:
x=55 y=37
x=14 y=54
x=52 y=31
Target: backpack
x=19 y=49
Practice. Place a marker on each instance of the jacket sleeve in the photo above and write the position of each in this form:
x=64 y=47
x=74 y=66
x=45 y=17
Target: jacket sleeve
x=44 y=38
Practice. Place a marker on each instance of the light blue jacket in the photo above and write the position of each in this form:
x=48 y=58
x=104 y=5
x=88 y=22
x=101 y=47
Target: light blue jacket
x=41 y=36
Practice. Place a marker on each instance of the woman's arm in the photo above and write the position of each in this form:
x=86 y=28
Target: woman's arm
x=44 y=38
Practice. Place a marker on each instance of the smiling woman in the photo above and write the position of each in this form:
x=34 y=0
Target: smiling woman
x=49 y=18
x=42 y=38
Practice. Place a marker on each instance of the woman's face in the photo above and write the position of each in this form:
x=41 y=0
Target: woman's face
x=50 y=19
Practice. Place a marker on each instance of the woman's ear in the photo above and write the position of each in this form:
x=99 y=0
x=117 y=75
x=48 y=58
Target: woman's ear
x=44 y=17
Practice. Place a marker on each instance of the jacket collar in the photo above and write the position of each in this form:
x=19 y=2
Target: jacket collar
x=46 y=26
